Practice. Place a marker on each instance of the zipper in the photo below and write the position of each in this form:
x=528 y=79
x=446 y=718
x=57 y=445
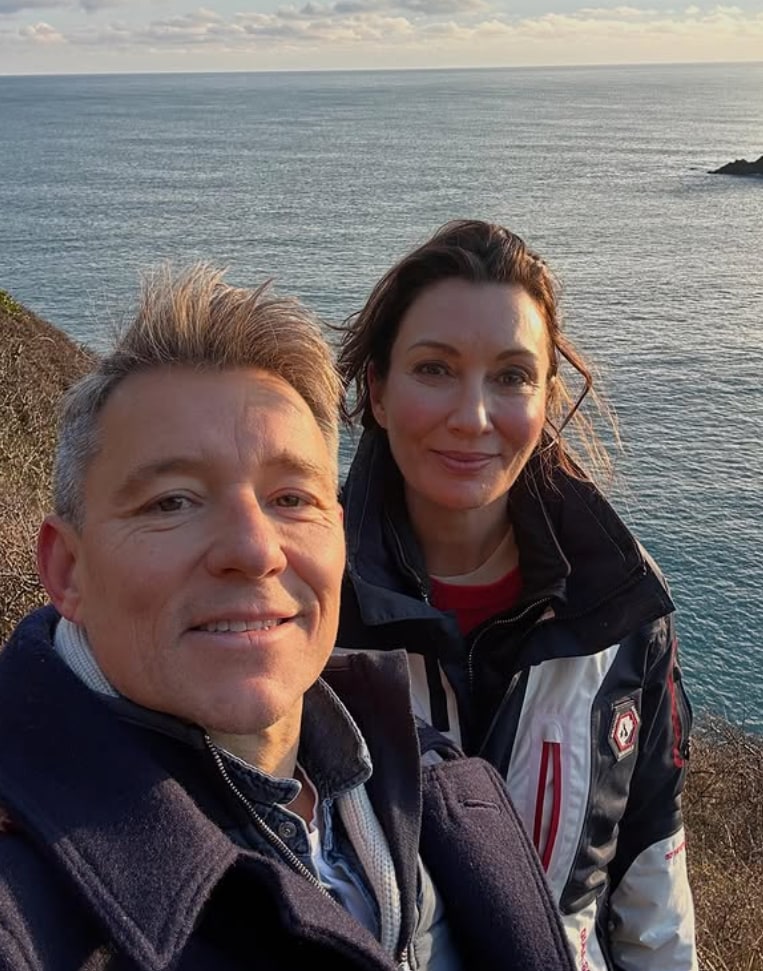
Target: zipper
x=291 y=858
x=632 y=579
x=421 y=584
x=507 y=622
x=275 y=841
x=403 y=962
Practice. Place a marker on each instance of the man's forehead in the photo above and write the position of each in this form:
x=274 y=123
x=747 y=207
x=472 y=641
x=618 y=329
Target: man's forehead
x=169 y=417
x=183 y=395
x=194 y=379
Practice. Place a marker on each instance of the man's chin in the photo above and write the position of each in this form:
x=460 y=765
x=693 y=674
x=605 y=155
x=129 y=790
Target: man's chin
x=258 y=717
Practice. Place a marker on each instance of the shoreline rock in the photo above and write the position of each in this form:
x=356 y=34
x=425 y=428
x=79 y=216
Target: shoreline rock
x=740 y=167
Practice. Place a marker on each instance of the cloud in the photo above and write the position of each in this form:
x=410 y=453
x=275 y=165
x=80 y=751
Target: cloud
x=42 y=33
x=407 y=32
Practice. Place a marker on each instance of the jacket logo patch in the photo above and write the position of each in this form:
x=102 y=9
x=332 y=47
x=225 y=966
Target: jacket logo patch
x=623 y=732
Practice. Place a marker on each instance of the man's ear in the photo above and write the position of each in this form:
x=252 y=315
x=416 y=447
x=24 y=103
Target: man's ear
x=58 y=546
x=376 y=395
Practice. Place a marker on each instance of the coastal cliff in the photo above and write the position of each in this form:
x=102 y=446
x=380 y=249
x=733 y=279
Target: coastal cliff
x=723 y=801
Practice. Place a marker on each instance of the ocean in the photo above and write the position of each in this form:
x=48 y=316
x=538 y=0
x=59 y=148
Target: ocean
x=321 y=180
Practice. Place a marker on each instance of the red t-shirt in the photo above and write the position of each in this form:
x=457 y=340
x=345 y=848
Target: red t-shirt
x=474 y=603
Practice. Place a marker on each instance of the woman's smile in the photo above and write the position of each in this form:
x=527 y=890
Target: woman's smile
x=464 y=400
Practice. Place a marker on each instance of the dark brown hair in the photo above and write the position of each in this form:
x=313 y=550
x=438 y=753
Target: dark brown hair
x=479 y=252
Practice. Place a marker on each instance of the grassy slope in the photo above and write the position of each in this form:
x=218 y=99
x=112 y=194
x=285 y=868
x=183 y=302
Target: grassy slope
x=724 y=796
x=36 y=364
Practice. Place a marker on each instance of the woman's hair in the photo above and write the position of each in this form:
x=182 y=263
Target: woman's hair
x=192 y=318
x=478 y=252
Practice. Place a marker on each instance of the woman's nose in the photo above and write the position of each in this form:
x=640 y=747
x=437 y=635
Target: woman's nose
x=245 y=540
x=471 y=409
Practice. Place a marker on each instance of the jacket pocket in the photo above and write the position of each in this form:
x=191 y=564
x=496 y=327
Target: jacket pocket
x=548 y=793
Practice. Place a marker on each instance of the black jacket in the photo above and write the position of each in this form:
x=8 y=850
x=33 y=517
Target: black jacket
x=574 y=694
x=113 y=854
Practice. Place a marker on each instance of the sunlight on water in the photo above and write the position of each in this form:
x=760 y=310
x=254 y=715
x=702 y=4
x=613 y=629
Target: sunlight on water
x=323 y=180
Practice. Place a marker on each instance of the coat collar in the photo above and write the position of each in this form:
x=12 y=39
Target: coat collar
x=117 y=824
x=127 y=834
x=557 y=524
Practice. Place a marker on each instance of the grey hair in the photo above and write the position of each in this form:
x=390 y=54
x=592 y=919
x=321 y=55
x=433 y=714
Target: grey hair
x=191 y=318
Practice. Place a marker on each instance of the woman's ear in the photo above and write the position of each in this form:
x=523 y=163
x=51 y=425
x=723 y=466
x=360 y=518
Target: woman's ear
x=376 y=395
x=58 y=550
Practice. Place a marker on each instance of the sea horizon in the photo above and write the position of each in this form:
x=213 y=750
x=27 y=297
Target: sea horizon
x=397 y=70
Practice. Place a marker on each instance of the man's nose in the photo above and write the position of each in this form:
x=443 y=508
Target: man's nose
x=245 y=540
x=471 y=409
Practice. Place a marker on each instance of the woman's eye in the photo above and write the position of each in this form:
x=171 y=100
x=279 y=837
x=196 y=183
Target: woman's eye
x=514 y=378
x=430 y=369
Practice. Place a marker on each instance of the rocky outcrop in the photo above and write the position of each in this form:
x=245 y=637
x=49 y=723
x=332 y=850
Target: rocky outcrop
x=740 y=167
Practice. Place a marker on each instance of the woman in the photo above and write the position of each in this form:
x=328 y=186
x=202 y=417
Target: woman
x=539 y=632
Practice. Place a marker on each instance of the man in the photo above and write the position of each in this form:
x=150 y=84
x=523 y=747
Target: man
x=180 y=787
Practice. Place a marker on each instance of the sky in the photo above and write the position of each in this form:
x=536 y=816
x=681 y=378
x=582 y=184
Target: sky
x=124 y=36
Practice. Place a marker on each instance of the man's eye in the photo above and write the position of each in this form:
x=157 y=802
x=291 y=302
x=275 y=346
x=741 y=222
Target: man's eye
x=290 y=500
x=170 y=504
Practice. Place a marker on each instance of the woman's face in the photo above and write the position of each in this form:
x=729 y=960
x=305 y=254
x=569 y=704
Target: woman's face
x=464 y=402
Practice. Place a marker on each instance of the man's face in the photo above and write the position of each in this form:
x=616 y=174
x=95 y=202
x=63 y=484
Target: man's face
x=208 y=570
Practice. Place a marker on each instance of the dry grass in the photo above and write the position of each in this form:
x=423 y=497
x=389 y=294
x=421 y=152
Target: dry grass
x=724 y=812
x=724 y=794
x=36 y=363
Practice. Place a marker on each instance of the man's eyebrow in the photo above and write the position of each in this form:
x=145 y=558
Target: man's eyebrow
x=291 y=461
x=143 y=474
x=287 y=460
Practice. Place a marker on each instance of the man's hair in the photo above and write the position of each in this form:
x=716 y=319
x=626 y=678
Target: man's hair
x=191 y=318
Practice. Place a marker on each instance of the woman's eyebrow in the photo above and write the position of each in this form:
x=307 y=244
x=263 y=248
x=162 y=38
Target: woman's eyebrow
x=508 y=352
x=433 y=345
